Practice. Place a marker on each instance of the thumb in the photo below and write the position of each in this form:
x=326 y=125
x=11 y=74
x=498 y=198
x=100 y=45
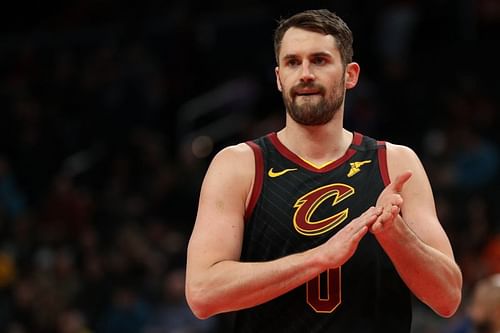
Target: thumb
x=400 y=180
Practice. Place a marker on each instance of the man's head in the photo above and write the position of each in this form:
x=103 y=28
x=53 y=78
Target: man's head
x=318 y=20
x=315 y=68
x=484 y=309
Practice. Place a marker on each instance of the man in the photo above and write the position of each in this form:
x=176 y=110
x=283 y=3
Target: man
x=316 y=228
x=484 y=309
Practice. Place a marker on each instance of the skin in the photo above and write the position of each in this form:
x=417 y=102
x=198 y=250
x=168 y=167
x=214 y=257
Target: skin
x=484 y=308
x=404 y=220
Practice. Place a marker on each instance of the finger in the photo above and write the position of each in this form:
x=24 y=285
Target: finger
x=394 y=210
x=380 y=222
x=368 y=216
x=372 y=211
x=376 y=227
x=359 y=226
x=359 y=234
x=386 y=217
x=400 y=180
x=363 y=222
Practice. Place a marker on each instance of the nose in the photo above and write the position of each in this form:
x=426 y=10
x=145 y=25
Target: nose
x=307 y=74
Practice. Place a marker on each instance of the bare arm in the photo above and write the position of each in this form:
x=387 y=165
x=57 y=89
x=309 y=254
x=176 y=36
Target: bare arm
x=414 y=239
x=216 y=281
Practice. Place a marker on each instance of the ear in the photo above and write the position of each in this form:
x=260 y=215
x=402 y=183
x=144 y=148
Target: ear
x=278 y=81
x=351 y=75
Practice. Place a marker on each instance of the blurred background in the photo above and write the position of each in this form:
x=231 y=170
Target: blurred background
x=110 y=114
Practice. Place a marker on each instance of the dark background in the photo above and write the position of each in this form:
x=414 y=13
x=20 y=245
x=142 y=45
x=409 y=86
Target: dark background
x=110 y=113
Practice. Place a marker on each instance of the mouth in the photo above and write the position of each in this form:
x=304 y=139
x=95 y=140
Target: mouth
x=307 y=95
x=307 y=91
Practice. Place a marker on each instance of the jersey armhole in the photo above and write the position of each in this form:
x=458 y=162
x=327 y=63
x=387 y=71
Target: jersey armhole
x=258 y=179
x=382 y=162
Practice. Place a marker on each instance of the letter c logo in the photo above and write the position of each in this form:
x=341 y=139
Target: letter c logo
x=308 y=203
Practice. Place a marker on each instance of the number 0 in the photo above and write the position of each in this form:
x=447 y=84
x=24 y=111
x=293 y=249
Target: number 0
x=324 y=301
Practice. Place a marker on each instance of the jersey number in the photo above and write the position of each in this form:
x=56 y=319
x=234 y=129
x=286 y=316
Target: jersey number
x=323 y=292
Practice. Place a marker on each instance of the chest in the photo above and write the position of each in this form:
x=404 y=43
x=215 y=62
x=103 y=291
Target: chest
x=299 y=208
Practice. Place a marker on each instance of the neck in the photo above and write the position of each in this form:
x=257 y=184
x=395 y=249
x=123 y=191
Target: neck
x=317 y=144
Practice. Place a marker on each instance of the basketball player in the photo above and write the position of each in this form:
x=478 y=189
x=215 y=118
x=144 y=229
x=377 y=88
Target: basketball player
x=316 y=228
x=484 y=308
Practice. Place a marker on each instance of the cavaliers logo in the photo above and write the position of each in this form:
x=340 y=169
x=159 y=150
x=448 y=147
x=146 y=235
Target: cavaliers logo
x=308 y=203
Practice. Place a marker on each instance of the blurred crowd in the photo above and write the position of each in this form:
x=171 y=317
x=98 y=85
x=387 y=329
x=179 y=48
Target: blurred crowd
x=110 y=115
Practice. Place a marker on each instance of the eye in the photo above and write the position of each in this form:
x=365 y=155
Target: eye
x=319 y=61
x=293 y=62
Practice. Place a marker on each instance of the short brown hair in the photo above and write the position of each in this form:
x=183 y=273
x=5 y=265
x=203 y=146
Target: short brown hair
x=318 y=20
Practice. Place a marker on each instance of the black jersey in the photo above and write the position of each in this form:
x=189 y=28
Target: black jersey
x=296 y=206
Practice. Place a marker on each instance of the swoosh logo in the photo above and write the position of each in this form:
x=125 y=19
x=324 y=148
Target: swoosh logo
x=273 y=174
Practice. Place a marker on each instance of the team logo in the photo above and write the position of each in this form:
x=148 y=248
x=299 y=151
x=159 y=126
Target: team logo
x=273 y=174
x=307 y=205
x=356 y=167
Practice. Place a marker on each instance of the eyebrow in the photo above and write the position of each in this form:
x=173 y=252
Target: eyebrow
x=322 y=54
x=316 y=54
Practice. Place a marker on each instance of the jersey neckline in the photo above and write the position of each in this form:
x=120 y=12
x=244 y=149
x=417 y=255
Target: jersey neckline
x=287 y=153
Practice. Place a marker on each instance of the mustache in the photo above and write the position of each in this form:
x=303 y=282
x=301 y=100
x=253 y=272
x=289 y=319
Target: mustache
x=294 y=91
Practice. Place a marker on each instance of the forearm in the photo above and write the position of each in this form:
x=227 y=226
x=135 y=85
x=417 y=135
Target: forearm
x=431 y=275
x=232 y=285
x=215 y=285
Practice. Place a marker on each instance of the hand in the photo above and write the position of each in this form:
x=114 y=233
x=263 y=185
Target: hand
x=344 y=243
x=390 y=202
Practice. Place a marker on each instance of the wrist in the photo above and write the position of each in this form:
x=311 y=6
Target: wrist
x=319 y=258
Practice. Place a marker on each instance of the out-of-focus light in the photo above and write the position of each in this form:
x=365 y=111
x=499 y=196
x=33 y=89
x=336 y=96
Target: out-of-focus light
x=202 y=146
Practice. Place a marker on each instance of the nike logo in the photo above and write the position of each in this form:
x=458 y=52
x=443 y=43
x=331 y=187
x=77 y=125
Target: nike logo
x=356 y=167
x=271 y=173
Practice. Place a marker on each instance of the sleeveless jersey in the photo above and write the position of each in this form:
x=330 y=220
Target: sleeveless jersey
x=296 y=206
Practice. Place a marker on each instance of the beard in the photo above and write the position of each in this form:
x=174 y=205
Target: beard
x=309 y=112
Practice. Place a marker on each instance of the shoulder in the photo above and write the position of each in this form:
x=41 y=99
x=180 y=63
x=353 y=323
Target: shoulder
x=233 y=163
x=401 y=158
x=240 y=153
x=231 y=173
x=397 y=151
x=400 y=153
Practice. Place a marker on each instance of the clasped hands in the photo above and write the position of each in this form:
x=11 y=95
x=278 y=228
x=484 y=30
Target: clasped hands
x=389 y=203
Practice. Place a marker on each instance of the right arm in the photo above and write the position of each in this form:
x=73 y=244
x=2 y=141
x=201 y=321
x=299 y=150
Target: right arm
x=216 y=281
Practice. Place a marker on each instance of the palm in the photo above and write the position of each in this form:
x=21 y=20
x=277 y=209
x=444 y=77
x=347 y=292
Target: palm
x=390 y=201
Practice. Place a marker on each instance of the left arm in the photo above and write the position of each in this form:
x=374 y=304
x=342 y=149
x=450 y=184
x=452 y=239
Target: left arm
x=410 y=233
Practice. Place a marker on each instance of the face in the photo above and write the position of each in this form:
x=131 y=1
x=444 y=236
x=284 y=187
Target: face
x=311 y=76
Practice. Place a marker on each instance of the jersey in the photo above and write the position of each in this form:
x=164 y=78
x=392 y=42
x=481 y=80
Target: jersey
x=295 y=206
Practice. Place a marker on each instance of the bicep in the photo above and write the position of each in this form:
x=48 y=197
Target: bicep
x=218 y=231
x=418 y=210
